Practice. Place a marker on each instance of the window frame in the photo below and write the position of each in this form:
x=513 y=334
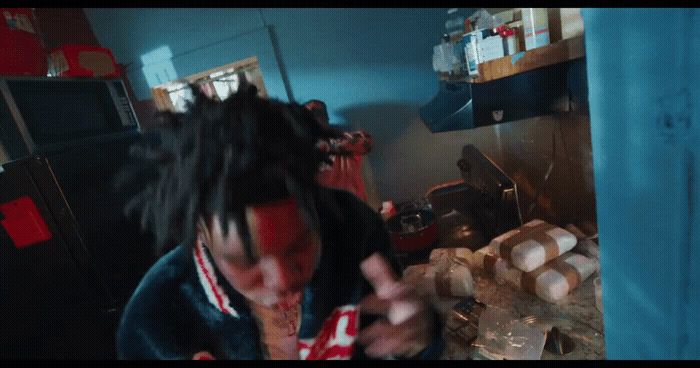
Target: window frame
x=249 y=66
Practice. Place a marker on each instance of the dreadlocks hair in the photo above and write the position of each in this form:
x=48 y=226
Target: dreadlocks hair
x=318 y=108
x=218 y=157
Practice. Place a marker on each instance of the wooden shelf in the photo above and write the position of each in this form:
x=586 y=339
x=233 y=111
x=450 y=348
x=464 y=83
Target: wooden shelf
x=521 y=62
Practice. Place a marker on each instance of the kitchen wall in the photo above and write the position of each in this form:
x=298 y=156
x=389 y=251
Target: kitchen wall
x=373 y=67
x=527 y=150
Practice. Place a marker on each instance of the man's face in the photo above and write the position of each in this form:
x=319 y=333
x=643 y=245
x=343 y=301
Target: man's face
x=285 y=252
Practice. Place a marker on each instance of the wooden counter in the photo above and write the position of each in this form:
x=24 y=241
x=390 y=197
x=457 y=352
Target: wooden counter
x=555 y=53
x=578 y=309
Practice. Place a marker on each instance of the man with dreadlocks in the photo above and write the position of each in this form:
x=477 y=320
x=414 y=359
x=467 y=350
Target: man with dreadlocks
x=260 y=262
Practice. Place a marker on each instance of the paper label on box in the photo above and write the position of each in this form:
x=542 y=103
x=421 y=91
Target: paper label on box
x=491 y=48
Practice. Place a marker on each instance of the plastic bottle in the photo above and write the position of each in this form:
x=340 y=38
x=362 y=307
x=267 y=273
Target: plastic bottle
x=467 y=26
x=471 y=51
x=535 y=27
x=445 y=62
x=460 y=53
x=450 y=60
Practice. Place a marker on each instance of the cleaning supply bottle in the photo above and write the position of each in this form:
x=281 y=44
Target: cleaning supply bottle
x=471 y=52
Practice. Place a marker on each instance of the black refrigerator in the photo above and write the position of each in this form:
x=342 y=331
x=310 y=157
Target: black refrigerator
x=63 y=140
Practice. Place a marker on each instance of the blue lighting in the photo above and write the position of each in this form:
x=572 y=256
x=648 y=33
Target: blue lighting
x=158 y=66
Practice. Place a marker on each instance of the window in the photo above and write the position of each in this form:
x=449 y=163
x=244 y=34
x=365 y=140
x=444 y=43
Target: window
x=216 y=83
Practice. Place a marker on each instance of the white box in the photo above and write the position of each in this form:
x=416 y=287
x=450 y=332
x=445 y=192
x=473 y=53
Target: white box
x=506 y=16
x=571 y=23
x=491 y=48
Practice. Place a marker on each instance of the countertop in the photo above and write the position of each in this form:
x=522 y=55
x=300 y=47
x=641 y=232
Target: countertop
x=578 y=308
x=585 y=322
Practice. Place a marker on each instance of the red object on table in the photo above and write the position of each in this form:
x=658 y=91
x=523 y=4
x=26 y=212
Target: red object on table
x=22 y=50
x=422 y=236
x=23 y=222
x=83 y=61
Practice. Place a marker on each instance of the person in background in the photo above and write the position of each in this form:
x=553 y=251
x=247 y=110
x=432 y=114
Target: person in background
x=345 y=171
x=261 y=262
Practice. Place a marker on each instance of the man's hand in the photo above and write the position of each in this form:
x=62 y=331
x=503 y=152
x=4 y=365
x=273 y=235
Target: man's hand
x=409 y=324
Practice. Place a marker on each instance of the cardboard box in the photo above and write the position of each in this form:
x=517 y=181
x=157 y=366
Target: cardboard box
x=564 y=23
x=83 y=61
x=554 y=21
x=571 y=23
x=491 y=48
x=506 y=16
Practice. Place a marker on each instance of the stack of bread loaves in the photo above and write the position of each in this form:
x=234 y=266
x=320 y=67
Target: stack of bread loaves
x=446 y=275
x=536 y=259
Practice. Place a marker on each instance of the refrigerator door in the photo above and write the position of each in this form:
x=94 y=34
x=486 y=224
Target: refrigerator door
x=643 y=92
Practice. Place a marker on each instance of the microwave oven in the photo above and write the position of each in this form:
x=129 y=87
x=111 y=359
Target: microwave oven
x=39 y=115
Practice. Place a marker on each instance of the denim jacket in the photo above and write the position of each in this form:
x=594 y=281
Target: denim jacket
x=183 y=306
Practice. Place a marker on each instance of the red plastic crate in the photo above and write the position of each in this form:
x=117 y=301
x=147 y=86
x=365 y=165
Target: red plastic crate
x=22 y=50
x=83 y=61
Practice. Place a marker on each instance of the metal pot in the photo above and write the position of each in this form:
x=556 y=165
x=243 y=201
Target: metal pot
x=413 y=230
